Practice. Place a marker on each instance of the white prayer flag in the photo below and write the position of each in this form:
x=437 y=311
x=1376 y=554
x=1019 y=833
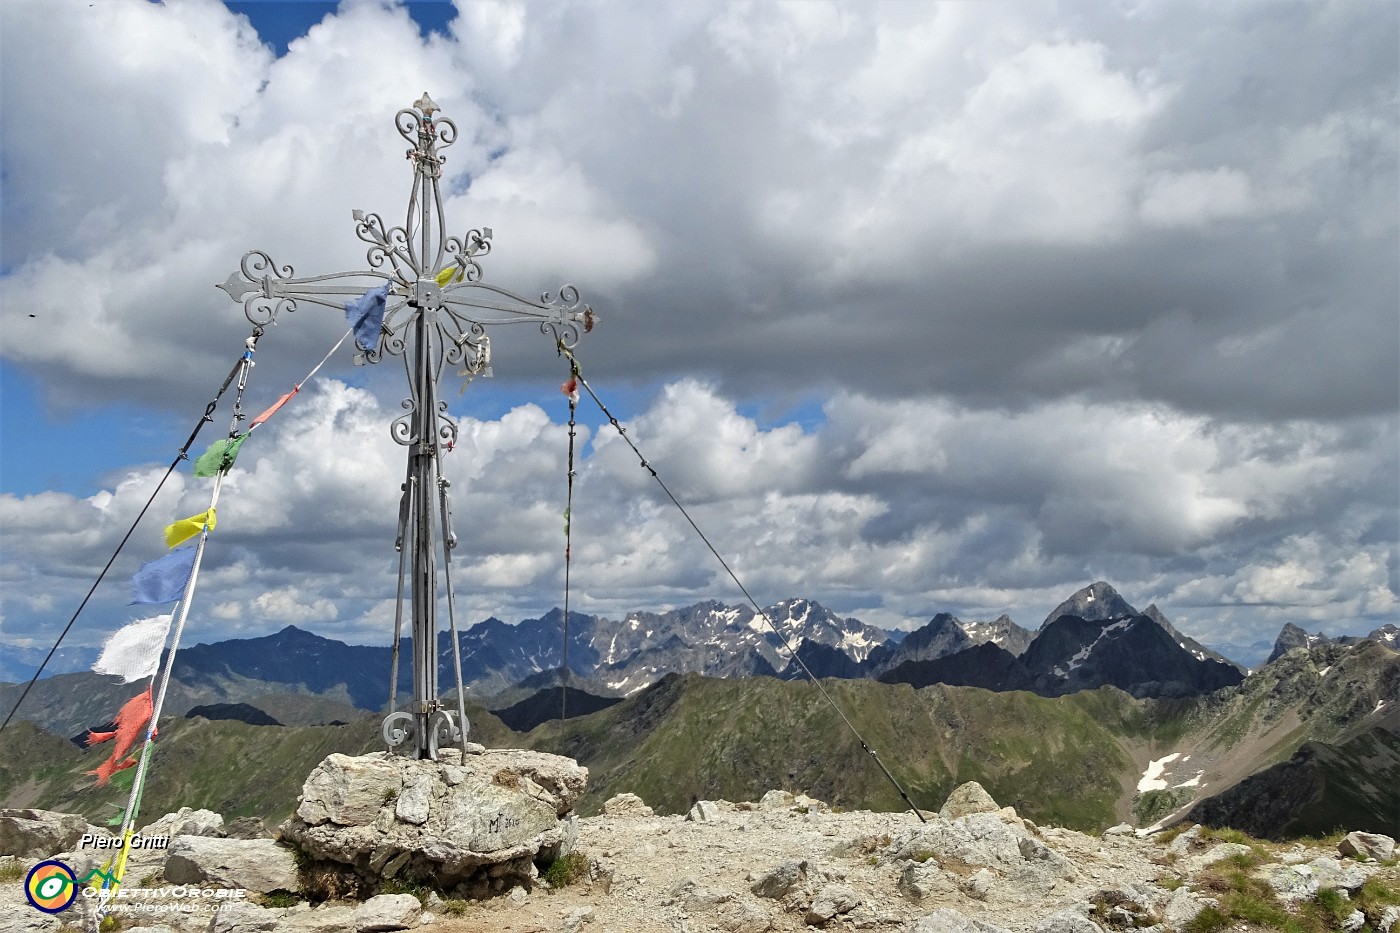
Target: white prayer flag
x=133 y=651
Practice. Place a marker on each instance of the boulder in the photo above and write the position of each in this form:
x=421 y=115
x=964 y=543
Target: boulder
x=922 y=880
x=1182 y=908
x=1215 y=853
x=1290 y=882
x=1069 y=920
x=1390 y=920
x=777 y=800
x=946 y=920
x=19 y=917
x=979 y=884
x=831 y=900
x=1342 y=874
x=187 y=822
x=704 y=811
x=348 y=791
x=481 y=825
x=777 y=882
x=627 y=804
x=982 y=839
x=690 y=895
x=741 y=916
x=246 y=827
x=1183 y=842
x=415 y=799
x=386 y=912
x=573 y=923
x=259 y=865
x=245 y=917
x=1371 y=846
x=324 y=919
x=968 y=798
x=42 y=833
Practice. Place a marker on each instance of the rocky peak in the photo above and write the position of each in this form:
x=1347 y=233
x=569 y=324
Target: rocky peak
x=1097 y=602
x=940 y=636
x=1002 y=632
x=1290 y=637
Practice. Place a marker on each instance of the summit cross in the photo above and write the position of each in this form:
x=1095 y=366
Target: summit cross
x=435 y=311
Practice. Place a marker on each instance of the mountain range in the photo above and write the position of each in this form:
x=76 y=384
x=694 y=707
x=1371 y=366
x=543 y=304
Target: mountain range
x=1103 y=713
x=620 y=657
x=1302 y=746
x=1094 y=638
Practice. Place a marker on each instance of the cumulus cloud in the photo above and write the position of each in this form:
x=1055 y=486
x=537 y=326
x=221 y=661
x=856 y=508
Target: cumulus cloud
x=892 y=511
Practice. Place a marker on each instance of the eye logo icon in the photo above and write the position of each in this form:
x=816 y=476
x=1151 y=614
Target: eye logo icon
x=51 y=887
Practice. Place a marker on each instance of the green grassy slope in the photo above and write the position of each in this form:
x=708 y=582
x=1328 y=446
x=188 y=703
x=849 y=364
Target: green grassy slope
x=1057 y=760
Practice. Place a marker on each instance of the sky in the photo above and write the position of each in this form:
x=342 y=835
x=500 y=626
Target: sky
x=918 y=307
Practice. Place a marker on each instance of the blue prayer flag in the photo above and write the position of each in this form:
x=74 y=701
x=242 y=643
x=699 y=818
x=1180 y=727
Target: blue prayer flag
x=163 y=580
x=366 y=315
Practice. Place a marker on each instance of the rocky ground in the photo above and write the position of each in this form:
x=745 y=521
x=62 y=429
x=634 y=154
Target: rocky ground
x=781 y=864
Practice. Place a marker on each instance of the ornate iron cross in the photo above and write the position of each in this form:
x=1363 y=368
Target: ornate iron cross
x=433 y=317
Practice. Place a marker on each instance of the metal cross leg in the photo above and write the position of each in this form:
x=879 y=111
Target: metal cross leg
x=433 y=316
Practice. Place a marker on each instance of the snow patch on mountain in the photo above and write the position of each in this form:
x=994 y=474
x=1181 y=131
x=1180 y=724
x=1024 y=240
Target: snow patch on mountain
x=1152 y=777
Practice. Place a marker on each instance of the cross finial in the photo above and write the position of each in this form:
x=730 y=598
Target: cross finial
x=426 y=105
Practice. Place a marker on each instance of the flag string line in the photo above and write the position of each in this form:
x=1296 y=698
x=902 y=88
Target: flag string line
x=207 y=417
x=238 y=372
x=241 y=370
x=183 y=454
x=577 y=374
x=138 y=784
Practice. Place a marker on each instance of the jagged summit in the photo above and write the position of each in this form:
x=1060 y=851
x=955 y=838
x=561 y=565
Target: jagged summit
x=1097 y=602
x=1291 y=636
x=1002 y=632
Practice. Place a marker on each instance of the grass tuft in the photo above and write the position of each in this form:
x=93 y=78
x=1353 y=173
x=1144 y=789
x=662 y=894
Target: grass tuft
x=279 y=899
x=563 y=872
x=1209 y=920
x=402 y=885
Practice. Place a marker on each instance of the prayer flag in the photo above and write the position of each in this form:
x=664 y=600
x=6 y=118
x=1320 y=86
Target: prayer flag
x=366 y=316
x=164 y=579
x=219 y=456
x=187 y=528
x=273 y=410
x=446 y=275
x=134 y=716
x=133 y=651
x=570 y=389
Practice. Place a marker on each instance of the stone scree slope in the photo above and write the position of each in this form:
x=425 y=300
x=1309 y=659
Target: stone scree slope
x=784 y=864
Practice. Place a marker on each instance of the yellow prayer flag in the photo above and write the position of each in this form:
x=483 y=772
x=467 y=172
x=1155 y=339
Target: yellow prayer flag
x=446 y=275
x=187 y=528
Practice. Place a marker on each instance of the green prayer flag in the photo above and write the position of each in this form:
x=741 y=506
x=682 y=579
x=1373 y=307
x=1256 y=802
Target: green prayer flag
x=219 y=456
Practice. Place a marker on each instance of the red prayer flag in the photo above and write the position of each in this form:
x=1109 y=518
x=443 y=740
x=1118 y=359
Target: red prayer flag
x=134 y=716
x=273 y=410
